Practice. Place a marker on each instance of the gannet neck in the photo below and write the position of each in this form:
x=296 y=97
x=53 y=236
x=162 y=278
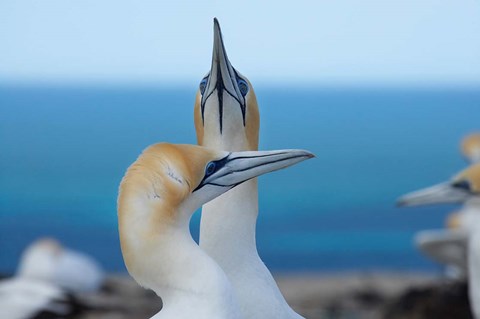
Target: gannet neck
x=227 y=234
x=473 y=203
x=158 y=249
x=474 y=272
x=227 y=229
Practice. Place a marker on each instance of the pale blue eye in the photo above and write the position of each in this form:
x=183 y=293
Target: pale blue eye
x=210 y=168
x=243 y=86
x=203 y=85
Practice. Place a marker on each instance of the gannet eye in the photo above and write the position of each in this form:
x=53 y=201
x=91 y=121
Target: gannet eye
x=210 y=168
x=465 y=185
x=243 y=86
x=203 y=85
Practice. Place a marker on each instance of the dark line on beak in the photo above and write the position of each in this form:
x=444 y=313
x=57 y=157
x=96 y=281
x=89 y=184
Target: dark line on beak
x=220 y=86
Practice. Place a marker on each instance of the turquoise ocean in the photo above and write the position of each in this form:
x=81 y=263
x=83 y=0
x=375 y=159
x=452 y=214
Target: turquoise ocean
x=63 y=152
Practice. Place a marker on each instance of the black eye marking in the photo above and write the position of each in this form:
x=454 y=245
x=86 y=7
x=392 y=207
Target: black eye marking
x=211 y=168
x=203 y=85
x=243 y=86
x=463 y=184
x=219 y=88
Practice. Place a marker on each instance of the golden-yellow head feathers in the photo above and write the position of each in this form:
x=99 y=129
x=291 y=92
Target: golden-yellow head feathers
x=245 y=131
x=470 y=147
x=164 y=173
x=469 y=179
x=150 y=193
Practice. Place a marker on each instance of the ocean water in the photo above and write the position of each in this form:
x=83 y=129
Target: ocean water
x=63 y=152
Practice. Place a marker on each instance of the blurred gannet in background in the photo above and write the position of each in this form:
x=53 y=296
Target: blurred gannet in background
x=449 y=246
x=446 y=246
x=157 y=197
x=26 y=298
x=46 y=276
x=227 y=118
x=47 y=260
x=463 y=188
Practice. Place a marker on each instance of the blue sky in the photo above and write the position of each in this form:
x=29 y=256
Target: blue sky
x=316 y=42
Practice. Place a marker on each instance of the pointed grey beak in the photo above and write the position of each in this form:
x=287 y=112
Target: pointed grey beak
x=222 y=78
x=239 y=167
x=443 y=193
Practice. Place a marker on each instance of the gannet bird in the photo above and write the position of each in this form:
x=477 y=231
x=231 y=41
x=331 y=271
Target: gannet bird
x=26 y=298
x=449 y=246
x=157 y=198
x=227 y=118
x=470 y=147
x=446 y=246
x=463 y=188
x=46 y=276
x=47 y=260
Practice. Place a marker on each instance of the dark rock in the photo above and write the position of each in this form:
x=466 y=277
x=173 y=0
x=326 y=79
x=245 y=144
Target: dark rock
x=438 y=301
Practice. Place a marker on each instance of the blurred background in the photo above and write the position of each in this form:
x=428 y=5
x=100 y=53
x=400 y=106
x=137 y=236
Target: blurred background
x=381 y=91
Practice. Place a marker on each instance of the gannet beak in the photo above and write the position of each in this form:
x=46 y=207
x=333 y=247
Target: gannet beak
x=238 y=167
x=443 y=193
x=222 y=76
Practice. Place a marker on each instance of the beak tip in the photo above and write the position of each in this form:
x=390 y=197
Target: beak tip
x=216 y=24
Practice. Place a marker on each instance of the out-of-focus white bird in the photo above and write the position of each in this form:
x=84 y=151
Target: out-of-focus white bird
x=463 y=188
x=449 y=246
x=46 y=278
x=47 y=260
x=26 y=298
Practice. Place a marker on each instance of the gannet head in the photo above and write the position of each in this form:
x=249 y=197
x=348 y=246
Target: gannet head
x=470 y=147
x=464 y=186
x=168 y=182
x=226 y=112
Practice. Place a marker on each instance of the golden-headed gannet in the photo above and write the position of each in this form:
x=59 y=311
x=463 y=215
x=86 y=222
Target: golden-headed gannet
x=157 y=198
x=470 y=147
x=227 y=118
x=463 y=188
x=46 y=259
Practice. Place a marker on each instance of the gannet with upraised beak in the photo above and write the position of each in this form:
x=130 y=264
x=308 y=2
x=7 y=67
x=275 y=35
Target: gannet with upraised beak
x=227 y=118
x=463 y=188
x=157 y=198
